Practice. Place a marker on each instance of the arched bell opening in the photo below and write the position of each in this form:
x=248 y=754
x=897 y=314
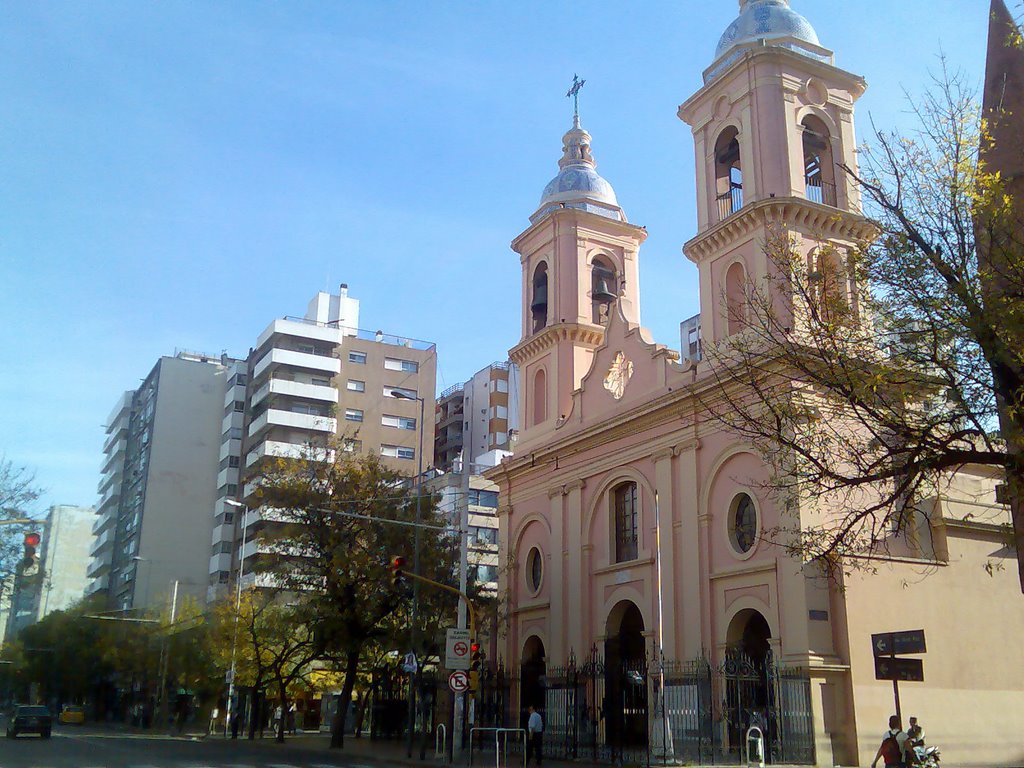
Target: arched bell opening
x=603 y=290
x=728 y=173
x=539 y=298
x=626 y=681
x=819 y=166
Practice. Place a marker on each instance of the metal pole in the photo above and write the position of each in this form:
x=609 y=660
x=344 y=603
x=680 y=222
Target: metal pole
x=414 y=676
x=230 y=716
x=459 y=744
x=165 y=653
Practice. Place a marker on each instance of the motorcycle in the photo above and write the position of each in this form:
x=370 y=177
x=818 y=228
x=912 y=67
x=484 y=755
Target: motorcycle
x=924 y=757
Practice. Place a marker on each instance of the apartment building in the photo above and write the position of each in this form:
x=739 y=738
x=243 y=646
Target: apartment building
x=66 y=538
x=477 y=416
x=313 y=385
x=159 y=483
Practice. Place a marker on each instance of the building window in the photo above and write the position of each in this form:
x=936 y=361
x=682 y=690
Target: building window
x=356 y=386
x=540 y=397
x=501 y=385
x=320 y=382
x=743 y=524
x=353 y=414
x=485 y=573
x=736 y=298
x=483 y=498
x=819 y=168
x=534 y=570
x=624 y=498
x=394 y=364
x=357 y=357
x=308 y=349
x=397 y=452
x=409 y=393
x=398 y=422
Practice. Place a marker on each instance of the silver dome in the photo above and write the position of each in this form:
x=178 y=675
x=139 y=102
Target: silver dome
x=578 y=185
x=766 y=20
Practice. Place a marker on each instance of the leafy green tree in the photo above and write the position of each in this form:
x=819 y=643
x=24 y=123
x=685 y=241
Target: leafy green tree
x=332 y=528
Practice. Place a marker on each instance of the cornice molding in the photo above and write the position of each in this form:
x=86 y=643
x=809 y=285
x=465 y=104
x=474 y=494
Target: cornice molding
x=792 y=212
x=578 y=333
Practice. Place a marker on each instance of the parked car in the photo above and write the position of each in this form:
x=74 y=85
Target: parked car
x=28 y=718
x=71 y=714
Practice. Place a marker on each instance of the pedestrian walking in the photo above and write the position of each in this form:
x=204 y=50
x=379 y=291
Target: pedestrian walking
x=534 y=735
x=892 y=746
x=214 y=714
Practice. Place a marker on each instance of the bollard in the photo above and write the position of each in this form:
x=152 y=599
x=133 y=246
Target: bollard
x=755 y=747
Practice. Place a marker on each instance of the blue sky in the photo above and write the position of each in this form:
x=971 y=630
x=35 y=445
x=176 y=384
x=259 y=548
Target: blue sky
x=178 y=174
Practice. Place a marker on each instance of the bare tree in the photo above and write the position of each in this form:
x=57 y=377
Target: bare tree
x=867 y=373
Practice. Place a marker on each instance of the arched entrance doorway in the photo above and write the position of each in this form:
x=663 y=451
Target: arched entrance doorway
x=749 y=677
x=625 y=708
x=532 y=674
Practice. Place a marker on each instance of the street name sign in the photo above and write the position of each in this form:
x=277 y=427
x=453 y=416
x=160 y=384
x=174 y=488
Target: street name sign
x=896 y=643
x=458 y=681
x=909 y=670
x=456 y=650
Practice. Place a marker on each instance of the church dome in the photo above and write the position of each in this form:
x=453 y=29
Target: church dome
x=578 y=184
x=770 y=20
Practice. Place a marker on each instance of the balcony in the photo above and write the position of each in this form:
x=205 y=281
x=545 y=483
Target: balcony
x=108 y=479
x=115 y=456
x=118 y=431
x=295 y=389
x=230 y=448
x=221 y=533
x=96 y=585
x=99 y=565
x=104 y=521
x=103 y=543
x=110 y=498
x=303 y=329
x=221 y=562
x=292 y=359
x=276 y=418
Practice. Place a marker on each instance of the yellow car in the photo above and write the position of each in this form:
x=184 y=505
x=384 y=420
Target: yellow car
x=71 y=714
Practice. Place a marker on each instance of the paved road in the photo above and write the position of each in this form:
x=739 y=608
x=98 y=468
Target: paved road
x=83 y=748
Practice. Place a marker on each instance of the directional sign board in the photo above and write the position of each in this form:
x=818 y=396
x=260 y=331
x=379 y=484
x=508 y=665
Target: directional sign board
x=456 y=654
x=458 y=681
x=910 y=670
x=896 y=643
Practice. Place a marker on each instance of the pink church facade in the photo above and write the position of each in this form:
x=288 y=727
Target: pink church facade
x=631 y=522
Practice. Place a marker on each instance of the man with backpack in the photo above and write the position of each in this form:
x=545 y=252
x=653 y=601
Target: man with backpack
x=891 y=749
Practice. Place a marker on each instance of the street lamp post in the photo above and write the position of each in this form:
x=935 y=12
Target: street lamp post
x=228 y=720
x=165 y=653
x=415 y=566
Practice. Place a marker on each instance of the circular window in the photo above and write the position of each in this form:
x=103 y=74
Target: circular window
x=534 y=569
x=743 y=523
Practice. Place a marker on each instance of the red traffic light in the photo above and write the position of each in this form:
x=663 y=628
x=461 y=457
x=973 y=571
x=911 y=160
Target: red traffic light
x=32 y=539
x=475 y=648
x=398 y=562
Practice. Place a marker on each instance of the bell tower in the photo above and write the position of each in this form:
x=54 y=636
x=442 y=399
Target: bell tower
x=772 y=129
x=579 y=260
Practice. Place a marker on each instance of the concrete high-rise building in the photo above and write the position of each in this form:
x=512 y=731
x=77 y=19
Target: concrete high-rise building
x=159 y=483
x=319 y=383
x=65 y=540
x=477 y=416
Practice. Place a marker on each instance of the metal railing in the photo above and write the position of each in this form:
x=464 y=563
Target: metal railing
x=820 y=191
x=730 y=202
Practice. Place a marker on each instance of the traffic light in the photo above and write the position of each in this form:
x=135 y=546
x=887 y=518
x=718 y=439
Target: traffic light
x=475 y=657
x=30 y=563
x=397 y=575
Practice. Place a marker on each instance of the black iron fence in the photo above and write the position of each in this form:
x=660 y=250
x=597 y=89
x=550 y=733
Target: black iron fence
x=641 y=711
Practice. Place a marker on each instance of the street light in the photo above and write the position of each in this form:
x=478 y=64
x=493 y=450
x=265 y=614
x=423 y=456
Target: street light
x=400 y=395
x=238 y=607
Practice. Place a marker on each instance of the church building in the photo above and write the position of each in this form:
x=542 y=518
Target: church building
x=648 y=613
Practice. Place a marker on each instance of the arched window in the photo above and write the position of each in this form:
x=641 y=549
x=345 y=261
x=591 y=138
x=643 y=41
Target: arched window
x=728 y=173
x=626 y=522
x=828 y=285
x=736 y=298
x=743 y=525
x=539 y=302
x=819 y=167
x=603 y=290
x=540 y=397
